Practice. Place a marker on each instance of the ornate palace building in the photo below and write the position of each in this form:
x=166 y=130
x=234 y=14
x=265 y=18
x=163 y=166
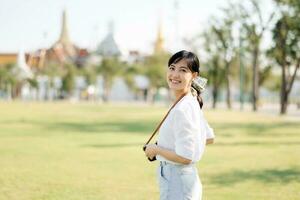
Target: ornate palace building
x=61 y=52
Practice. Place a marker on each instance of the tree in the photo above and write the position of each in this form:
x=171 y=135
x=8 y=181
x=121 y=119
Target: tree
x=89 y=73
x=224 y=31
x=214 y=63
x=254 y=26
x=155 y=70
x=109 y=68
x=52 y=71
x=129 y=72
x=286 y=47
x=8 y=80
x=68 y=80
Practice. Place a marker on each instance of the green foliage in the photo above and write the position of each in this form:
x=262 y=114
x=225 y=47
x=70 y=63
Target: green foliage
x=286 y=46
x=33 y=83
x=223 y=30
x=286 y=33
x=109 y=68
x=68 y=78
x=215 y=71
x=7 y=76
x=155 y=69
x=264 y=74
x=129 y=72
x=253 y=25
x=52 y=70
x=214 y=63
x=248 y=17
x=273 y=82
x=89 y=73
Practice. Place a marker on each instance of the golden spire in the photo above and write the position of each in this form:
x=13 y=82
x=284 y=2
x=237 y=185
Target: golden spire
x=159 y=42
x=64 y=39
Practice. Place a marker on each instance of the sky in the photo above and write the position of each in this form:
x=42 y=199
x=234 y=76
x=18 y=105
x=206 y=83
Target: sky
x=34 y=24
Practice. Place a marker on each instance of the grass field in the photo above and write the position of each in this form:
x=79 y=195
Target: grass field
x=57 y=151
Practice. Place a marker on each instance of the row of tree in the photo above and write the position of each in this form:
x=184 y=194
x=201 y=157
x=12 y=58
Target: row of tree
x=152 y=66
x=233 y=45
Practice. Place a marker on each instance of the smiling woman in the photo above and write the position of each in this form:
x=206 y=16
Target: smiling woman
x=183 y=134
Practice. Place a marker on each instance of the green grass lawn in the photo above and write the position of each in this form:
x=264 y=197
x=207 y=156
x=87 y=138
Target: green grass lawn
x=94 y=151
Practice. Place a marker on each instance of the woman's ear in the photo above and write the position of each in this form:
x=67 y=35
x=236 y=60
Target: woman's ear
x=195 y=74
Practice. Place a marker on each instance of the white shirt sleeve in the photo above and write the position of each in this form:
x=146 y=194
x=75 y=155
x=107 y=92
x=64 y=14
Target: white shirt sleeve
x=209 y=131
x=184 y=132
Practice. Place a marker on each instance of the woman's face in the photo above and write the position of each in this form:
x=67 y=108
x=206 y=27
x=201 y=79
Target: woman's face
x=179 y=77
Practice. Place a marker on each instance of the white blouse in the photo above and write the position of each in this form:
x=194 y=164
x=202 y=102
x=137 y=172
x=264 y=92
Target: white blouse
x=185 y=130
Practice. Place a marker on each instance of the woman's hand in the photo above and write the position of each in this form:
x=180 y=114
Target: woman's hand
x=151 y=150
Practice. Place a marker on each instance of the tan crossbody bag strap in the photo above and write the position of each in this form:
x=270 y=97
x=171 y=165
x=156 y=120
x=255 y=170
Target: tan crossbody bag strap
x=157 y=128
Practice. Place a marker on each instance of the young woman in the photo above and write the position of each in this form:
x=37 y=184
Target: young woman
x=183 y=135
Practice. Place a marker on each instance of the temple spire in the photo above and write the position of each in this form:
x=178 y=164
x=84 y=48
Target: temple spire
x=159 y=42
x=64 y=40
x=108 y=47
x=111 y=27
x=64 y=35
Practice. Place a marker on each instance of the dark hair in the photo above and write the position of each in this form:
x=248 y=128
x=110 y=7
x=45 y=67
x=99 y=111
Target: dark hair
x=192 y=63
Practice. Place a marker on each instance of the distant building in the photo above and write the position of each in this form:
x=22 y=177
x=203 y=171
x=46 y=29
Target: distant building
x=108 y=47
x=134 y=57
x=6 y=58
x=63 y=50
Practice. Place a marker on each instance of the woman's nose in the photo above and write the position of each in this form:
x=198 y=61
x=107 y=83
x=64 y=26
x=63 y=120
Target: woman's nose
x=175 y=73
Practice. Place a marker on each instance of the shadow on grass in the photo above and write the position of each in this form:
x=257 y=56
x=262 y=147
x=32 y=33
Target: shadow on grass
x=147 y=126
x=256 y=129
x=142 y=126
x=116 y=145
x=249 y=143
x=265 y=176
x=251 y=129
x=115 y=127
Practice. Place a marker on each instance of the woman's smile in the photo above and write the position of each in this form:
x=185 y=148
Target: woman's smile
x=179 y=77
x=174 y=81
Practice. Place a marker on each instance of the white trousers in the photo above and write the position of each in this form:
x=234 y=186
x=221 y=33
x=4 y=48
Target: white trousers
x=178 y=182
